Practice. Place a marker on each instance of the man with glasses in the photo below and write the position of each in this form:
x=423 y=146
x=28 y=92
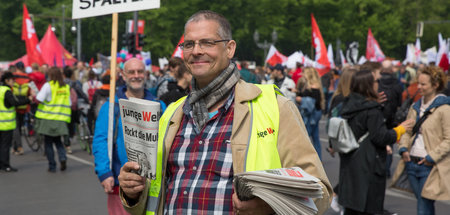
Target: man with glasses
x=219 y=130
x=107 y=170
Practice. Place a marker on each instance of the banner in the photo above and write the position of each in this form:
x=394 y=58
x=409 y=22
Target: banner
x=31 y=40
x=321 y=57
x=373 y=50
x=85 y=8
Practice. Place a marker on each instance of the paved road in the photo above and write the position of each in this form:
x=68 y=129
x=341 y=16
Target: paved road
x=32 y=190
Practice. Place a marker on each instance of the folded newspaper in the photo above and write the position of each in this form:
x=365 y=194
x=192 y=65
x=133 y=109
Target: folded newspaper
x=286 y=190
x=140 y=119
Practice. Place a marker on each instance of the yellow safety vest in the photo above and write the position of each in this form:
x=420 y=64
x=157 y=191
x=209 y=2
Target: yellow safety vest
x=262 y=152
x=7 y=115
x=21 y=90
x=59 y=107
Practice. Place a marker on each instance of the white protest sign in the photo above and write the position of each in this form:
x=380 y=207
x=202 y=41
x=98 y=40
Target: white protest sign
x=90 y=8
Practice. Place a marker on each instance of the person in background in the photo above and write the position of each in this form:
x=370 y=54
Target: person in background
x=284 y=83
x=247 y=75
x=21 y=89
x=53 y=114
x=106 y=169
x=206 y=142
x=310 y=85
x=403 y=76
x=8 y=102
x=298 y=72
x=180 y=88
x=37 y=76
x=168 y=77
x=101 y=95
x=260 y=75
x=91 y=85
x=338 y=98
x=425 y=150
x=362 y=172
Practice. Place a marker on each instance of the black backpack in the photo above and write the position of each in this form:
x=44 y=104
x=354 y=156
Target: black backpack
x=402 y=111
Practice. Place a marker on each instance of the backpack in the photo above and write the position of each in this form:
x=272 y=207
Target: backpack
x=91 y=90
x=340 y=134
x=402 y=111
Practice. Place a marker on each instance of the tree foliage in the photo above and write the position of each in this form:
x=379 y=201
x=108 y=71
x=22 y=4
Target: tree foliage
x=393 y=24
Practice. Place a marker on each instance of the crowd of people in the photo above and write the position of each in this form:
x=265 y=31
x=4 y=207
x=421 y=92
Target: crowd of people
x=213 y=112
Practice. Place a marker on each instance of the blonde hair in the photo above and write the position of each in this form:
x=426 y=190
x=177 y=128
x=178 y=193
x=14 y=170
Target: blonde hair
x=311 y=77
x=345 y=80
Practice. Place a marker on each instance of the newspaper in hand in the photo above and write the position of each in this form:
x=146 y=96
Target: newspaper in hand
x=140 y=119
x=286 y=190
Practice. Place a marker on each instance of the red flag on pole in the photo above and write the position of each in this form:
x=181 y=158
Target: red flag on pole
x=373 y=50
x=322 y=63
x=275 y=57
x=31 y=40
x=178 y=52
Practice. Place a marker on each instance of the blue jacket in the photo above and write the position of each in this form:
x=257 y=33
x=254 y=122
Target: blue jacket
x=100 y=142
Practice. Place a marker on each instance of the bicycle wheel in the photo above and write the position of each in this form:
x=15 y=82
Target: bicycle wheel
x=35 y=142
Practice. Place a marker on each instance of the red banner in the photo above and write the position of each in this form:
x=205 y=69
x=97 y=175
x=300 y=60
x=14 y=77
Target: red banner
x=31 y=40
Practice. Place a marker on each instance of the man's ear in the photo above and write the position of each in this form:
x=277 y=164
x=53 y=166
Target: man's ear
x=231 y=48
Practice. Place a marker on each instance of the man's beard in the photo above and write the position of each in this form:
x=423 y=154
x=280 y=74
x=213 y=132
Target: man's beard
x=134 y=89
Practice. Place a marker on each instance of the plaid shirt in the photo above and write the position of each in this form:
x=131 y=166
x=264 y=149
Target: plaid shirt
x=200 y=167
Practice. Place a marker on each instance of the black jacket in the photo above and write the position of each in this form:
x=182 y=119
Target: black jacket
x=390 y=85
x=175 y=92
x=362 y=176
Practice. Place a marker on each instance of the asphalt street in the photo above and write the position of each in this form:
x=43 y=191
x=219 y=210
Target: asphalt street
x=33 y=190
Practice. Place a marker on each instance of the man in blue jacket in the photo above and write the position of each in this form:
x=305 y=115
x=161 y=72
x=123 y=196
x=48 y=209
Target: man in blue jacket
x=135 y=76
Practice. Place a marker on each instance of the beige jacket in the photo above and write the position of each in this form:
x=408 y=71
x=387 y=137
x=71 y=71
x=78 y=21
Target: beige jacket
x=294 y=150
x=436 y=136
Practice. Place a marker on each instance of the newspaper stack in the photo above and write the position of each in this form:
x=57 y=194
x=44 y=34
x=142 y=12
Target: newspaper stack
x=140 y=119
x=287 y=190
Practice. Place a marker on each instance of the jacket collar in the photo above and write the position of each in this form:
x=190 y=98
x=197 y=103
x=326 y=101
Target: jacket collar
x=438 y=101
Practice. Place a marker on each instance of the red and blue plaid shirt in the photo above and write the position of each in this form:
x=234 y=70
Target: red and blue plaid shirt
x=200 y=167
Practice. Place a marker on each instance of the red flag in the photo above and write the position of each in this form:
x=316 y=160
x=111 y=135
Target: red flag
x=178 y=52
x=373 y=50
x=275 y=57
x=322 y=63
x=91 y=62
x=443 y=63
x=31 y=40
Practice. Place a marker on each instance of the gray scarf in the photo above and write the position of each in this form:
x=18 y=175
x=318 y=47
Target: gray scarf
x=202 y=99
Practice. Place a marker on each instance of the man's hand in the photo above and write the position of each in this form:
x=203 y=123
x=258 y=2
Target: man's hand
x=253 y=206
x=131 y=183
x=108 y=184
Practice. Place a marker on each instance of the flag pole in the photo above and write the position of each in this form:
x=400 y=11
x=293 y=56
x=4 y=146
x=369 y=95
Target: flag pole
x=112 y=87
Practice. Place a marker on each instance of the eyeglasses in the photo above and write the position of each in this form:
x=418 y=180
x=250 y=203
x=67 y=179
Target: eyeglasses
x=205 y=44
x=131 y=72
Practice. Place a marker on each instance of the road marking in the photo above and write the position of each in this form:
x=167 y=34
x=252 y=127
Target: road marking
x=81 y=160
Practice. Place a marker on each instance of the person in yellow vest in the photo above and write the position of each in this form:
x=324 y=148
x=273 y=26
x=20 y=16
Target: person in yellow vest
x=223 y=127
x=52 y=114
x=21 y=89
x=8 y=102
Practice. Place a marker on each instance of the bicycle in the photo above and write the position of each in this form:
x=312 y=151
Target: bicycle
x=84 y=134
x=32 y=138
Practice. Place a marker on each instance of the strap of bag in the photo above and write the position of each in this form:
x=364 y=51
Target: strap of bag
x=420 y=121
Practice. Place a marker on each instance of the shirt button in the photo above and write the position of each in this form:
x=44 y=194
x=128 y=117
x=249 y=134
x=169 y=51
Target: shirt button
x=185 y=192
x=200 y=142
x=194 y=168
